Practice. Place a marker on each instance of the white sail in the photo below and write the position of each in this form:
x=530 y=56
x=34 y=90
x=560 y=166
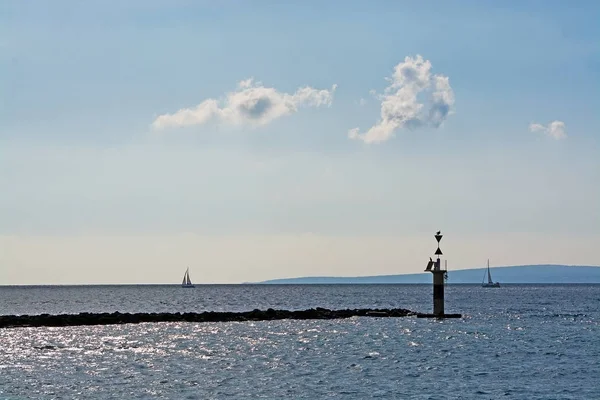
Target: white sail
x=187 y=282
x=489 y=283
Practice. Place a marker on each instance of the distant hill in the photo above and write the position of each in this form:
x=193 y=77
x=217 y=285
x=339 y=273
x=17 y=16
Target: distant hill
x=513 y=274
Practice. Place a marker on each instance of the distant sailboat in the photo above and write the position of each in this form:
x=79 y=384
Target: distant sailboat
x=186 y=279
x=489 y=283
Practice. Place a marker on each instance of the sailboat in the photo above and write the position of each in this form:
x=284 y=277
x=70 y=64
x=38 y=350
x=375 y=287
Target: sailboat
x=489 y=283
x=186 y=279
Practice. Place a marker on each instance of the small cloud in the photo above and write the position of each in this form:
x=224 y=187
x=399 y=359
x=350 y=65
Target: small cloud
x=555 y=129
x=354 y=133
x=402 y=105
x=362 y=102
x=251 y=104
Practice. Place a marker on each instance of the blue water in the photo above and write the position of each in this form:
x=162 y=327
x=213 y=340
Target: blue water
x=519 y=342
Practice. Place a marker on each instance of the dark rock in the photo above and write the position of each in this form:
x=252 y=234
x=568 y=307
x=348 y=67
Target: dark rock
x=13 y=321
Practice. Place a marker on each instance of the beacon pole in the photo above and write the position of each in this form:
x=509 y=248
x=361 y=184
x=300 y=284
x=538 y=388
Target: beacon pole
x=439 y=277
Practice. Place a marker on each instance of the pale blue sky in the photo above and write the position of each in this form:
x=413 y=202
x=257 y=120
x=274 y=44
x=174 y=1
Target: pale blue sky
x=82 y=82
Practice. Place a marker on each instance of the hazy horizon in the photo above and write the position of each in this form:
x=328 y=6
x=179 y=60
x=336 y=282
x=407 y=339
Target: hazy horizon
x=85 y=260
x=334 y=278
x=257 y=140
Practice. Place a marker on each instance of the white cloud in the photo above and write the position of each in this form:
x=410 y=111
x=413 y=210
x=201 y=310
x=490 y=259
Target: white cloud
x=555 y=129
x=402 y=104
x=251 y=104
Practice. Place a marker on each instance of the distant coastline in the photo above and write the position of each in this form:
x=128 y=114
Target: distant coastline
x=527 y=274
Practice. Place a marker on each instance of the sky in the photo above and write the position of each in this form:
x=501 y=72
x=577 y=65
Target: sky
x=265 y=139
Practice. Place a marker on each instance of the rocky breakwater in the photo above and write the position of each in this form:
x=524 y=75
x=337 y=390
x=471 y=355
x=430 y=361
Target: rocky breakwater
x=15 y=321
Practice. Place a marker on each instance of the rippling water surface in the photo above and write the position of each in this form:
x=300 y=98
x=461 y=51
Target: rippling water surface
x=521 y=342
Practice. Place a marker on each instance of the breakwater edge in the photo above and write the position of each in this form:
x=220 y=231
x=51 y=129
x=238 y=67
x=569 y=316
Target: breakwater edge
x=84 y=318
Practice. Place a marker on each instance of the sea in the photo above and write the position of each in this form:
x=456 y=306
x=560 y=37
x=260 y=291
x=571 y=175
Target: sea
x=513 y=342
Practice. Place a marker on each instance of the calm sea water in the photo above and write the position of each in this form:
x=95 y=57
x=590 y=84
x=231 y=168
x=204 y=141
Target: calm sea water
x=519 y=342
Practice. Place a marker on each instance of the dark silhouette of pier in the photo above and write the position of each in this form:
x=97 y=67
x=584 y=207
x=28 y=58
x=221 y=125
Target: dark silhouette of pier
x=15 y=321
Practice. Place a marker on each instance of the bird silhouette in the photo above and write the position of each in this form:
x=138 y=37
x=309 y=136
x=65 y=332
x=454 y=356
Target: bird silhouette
x=438 y=232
